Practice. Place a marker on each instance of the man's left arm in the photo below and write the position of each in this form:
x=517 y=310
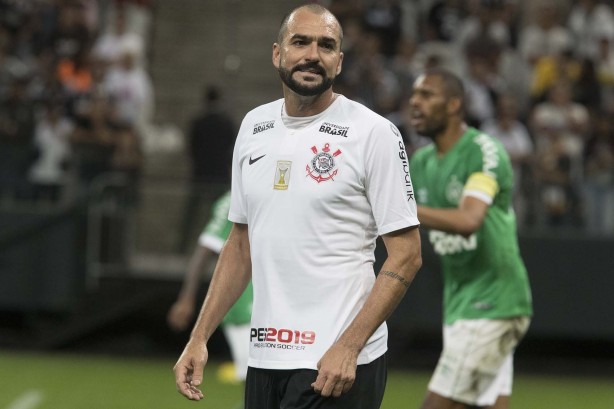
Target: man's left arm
x=465 y=219
x=337 y=368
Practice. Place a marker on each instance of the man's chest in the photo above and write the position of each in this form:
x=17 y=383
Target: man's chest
x=440 y=183
x=302 y=164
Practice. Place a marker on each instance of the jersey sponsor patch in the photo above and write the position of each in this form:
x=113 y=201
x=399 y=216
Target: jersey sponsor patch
x=333 y=129
x=323 y=164
x=263 y=126
x=445 y=244
x=281 y=338
x=282 y=175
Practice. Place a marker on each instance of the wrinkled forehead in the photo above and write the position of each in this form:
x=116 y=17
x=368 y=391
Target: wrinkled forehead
x=307 y=23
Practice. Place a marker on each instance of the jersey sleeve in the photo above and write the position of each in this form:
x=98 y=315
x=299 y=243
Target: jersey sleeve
x=216 y=231
x=388 y=182
x=489 y=169
x=238 y=211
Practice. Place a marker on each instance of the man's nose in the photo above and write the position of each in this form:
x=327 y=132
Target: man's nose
x=313 y=52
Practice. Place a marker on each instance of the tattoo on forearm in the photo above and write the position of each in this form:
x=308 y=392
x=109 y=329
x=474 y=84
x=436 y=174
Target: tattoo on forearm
x=396 y=276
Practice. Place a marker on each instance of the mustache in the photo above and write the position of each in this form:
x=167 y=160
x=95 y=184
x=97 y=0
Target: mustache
x=310 y=66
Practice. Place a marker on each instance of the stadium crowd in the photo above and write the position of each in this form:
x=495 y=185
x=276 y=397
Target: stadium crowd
x=75 y=93
x=539 y=75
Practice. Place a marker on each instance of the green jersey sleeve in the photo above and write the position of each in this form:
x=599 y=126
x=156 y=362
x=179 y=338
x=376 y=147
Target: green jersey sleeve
x=216 y=232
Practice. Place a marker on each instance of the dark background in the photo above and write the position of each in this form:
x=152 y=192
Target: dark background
x=49 y=301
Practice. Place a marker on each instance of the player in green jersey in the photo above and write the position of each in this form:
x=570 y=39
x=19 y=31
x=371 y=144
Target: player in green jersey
x=236 y=323
x=463 y=184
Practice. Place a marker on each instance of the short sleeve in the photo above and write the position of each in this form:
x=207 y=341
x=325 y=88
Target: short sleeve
x=489 y=169
x=238 y=211
x=388 y=182
x=216 y=231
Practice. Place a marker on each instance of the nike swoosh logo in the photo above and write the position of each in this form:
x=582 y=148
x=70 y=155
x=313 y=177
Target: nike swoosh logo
x=252 y=161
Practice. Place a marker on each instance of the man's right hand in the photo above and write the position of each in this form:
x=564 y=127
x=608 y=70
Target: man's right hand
x=189 y=369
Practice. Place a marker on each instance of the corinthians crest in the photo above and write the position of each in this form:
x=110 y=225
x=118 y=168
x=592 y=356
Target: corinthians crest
x=323 y=164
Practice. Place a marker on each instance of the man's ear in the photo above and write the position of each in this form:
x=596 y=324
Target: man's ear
x=276 y=55
x=340 y=63
x=454 y=105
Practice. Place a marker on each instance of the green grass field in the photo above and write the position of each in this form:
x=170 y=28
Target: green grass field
x=68 y=381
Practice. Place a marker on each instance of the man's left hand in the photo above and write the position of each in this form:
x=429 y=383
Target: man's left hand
x=336 y=371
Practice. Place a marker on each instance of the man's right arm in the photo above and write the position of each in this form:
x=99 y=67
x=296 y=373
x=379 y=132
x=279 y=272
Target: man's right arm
x=230 y=278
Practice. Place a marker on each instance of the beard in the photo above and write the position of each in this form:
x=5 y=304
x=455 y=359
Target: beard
x=431 y=130
x=301 y=89
x=434 y=124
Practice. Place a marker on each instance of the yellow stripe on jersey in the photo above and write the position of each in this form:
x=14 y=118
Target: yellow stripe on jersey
x=483 y=183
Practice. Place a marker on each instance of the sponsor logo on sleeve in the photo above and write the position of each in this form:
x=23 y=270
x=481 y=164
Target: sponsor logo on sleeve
x=489 y=154
x=409 y=190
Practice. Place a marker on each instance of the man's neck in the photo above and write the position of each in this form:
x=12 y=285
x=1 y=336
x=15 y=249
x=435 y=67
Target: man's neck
x=448 y=138
x=300 y=106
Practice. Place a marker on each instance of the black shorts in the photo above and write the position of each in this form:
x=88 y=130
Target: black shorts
x=291 y=389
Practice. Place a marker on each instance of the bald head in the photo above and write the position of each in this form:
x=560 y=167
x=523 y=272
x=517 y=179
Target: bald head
x=312 y=8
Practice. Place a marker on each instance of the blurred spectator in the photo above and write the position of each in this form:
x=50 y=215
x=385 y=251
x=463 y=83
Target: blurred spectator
x=482 y=82
x=510 y=15
x=560 y=127
x=72 y=34
x=16 y=149
x=74 y=73
x=48 y=174
x=604 y=66
x=546 y=36
x=518 y=143
x=485 y=20
x=211 y=139
x=403 y=65
x=28 y=41
x=137 y=13
x=127 y=160
x=90 y=14
x=93 y=139
x=443 y=19
x=11 y=67
x=384 y=17
x=347 y=10
x=599 y=177
x=129 y=87
x=369 y=78
x=586 y=89
x=549 y=70
x=112 y=44
x=589 y=21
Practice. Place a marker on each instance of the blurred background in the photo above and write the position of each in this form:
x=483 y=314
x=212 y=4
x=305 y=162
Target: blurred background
x=117 y=119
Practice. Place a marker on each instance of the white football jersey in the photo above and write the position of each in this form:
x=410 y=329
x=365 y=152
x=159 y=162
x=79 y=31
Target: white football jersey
x=315 y=199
